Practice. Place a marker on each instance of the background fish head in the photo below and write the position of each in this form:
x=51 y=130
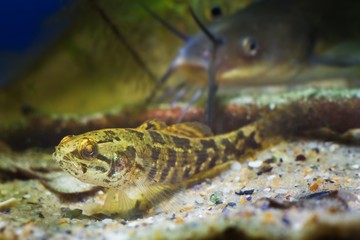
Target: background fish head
x=260 y=47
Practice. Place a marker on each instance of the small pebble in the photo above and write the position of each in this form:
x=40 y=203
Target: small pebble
x=333 y=147
x=313 y=187
x=267 y=189
x=268 y=217
x=107 y=220
x=255 y=164
x=231 y=204
x=199 y=200
x=245 y=192
x=317 y=150
x=355 y=166
x=308 y=177
x=286 y=220
x=216 y=198
x=133 y=224
x=242 y=200
x=272 y=106
x=264 y=170
x=300 y=157
x=236 y=166
x=7 y=203
x=179 y=220
x=26 y=196
x=271 y=177
x=281 y=191
x=270 y=160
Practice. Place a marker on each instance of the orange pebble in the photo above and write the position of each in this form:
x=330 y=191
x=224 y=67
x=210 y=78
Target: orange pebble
x=307 y=171
x=242 y=200
x=268 y=217
x=320 y=181
x=297 y=151
x=336 y=179
x=179 y=220
x=314 y=187
x=187 y=208
x=347 y=179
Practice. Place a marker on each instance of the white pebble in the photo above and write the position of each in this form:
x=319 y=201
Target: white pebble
x=281 y=191
x=308 y=177
x=355 y=166
x=271 y=177
x=133 y=224
x=333 y=147
x=236 y=166
x=199 y=200
x=272 y=106
x=107 y=220
x=255 y=164
x=267 y=189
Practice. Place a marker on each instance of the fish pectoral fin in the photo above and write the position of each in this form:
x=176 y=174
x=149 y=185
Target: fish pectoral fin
x=189 y=129
x=126 y=204
x=156 y=193
x=117 y=201
x=152 y=125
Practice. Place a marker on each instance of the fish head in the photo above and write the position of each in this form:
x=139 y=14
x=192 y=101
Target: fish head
x=100 y=157
x=252 y=46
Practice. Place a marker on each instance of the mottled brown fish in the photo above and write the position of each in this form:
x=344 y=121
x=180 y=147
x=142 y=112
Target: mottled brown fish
x=144 y=165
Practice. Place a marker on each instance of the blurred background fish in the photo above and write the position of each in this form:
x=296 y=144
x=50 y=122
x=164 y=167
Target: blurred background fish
x=76 y=64
x=276 y=41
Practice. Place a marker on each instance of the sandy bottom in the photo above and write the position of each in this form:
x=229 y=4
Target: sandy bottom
x=295 y=190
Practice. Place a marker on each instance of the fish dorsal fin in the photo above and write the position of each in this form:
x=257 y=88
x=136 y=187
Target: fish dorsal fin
x=152 y=125
x=189 y=129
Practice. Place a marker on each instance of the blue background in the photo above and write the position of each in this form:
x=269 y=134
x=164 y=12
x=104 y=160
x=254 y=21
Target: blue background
x=27 y=29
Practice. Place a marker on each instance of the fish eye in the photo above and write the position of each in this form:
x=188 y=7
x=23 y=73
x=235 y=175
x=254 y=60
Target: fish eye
x=249 y=46
x=87 y=149
x=216 y=11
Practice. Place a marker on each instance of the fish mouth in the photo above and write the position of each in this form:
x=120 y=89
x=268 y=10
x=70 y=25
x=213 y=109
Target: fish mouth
x=55 y=156
x=59 y=158
x=69 y=166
